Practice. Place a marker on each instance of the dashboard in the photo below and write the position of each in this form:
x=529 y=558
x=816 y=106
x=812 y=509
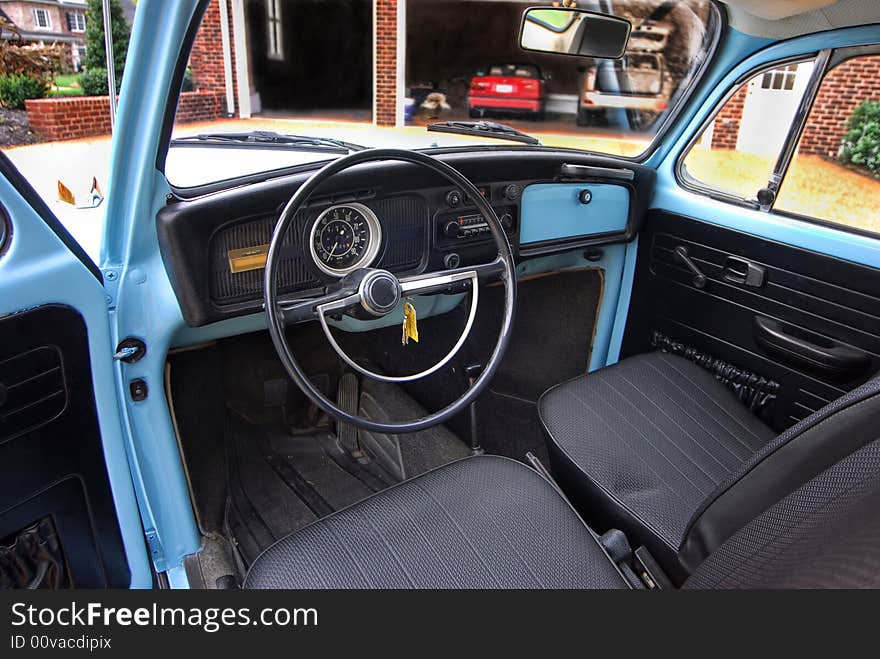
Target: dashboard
x=391 y=215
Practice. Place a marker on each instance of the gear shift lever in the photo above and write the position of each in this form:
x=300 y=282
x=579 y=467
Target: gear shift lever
x=473 y=372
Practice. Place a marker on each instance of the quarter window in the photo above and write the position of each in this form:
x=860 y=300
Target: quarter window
x=42 y=19
x=834 y=174
x=738 y=150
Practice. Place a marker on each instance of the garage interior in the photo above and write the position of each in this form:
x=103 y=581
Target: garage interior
x=327 y=69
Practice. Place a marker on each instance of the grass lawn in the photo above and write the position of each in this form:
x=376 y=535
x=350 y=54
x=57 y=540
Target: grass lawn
x=814 y=186
x=66 y=85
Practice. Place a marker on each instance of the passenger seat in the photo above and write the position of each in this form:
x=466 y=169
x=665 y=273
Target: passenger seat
x=656 y=447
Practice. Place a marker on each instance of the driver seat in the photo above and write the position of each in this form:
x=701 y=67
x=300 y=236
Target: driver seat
x=490 y=522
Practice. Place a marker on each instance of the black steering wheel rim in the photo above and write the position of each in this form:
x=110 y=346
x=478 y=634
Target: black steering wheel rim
x=276 y=317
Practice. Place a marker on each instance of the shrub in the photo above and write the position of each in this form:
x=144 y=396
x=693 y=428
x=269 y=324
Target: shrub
x=15 y=89
x=861 y=144
x=93 y=82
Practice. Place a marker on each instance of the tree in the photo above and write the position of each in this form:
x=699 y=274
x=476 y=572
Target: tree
x=96 y=57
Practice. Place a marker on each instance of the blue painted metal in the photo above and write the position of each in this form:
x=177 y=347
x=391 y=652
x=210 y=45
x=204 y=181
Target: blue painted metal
x=145 y=304
x=552 y=210
x=669 y=195
x=623 y=300
x=38 y=269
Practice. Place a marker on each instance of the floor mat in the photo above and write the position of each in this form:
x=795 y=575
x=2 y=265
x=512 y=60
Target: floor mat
x=510 y=426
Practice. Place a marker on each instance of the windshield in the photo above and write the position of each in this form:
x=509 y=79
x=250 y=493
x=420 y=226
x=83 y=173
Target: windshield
x=311 y=69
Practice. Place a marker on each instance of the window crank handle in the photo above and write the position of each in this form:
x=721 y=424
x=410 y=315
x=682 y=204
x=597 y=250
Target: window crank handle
x=699 y=279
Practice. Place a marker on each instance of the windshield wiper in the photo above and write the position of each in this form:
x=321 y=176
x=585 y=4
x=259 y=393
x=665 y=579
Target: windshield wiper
x=483 y=129
x=269 y=140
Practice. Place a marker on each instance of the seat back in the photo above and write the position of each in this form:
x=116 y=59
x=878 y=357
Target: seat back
x=825 y=534
x=776 y=487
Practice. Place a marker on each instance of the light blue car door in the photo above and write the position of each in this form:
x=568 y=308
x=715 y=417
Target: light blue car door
x=64 y=467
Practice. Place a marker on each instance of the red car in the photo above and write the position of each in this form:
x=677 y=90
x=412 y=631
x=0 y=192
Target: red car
x=508 y=88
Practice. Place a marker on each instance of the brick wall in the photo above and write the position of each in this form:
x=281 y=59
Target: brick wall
x=206 y=57
x=87 y=116
x=842 y=91
x=728 y=121
x=386 y=62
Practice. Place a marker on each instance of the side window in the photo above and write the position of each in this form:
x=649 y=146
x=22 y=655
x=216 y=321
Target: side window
x=835 y=174
x=738 y=150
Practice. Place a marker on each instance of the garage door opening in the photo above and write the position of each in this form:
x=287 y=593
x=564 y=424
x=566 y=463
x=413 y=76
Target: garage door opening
x=312 y=58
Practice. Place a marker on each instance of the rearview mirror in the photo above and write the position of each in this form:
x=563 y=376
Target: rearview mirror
x=574 y=32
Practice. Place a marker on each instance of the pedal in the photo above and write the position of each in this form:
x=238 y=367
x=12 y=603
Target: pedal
x=347 y=399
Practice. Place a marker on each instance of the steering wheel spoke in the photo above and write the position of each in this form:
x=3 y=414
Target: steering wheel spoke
x=452 y=281
x=301 y=311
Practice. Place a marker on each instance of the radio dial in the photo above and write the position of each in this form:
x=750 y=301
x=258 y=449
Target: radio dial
x=452 y=229
x=507 y=221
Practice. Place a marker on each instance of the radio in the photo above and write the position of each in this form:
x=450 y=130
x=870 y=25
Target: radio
x=472 y=226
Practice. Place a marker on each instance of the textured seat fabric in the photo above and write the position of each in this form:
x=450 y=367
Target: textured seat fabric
x=640 y=445
x=825 y=534
x=482 y=522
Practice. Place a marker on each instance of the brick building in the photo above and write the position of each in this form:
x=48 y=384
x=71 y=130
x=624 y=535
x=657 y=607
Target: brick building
x=47 y=22
x=251 y=55
x=352 y=58
x=841 y=92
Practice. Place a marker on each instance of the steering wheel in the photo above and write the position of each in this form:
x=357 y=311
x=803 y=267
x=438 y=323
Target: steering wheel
x=373 y=293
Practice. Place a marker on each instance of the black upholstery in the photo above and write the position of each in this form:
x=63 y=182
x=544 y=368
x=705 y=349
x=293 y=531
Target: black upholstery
x=808 y=448
x=640 y=445
x=656 y=447
x=477 y=523
x=824 y=534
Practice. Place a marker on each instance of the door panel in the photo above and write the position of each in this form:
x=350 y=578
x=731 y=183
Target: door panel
x=807 y=321
x=68 y=511
x=51 y=459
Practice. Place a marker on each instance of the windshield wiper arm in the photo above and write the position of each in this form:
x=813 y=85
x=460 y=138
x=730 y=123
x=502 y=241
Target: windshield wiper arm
x=483 y=129
x=269 y=139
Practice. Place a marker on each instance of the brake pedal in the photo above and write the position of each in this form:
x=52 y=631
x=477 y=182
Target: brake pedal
x=347 y=399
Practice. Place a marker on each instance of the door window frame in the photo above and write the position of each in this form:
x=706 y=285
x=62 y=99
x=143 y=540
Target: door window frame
x=826 y=60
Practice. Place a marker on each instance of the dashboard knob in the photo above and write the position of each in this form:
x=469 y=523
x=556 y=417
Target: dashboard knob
x=452 y=261
x=507 y=221
x=451 y=229
x=511 y=192
x=453 y=198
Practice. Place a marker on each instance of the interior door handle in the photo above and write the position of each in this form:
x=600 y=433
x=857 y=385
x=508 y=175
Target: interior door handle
x=814 y=353
x=741 y=271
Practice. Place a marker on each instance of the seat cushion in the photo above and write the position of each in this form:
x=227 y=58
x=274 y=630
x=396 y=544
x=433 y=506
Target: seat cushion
x=481 y=522
x=639 y=445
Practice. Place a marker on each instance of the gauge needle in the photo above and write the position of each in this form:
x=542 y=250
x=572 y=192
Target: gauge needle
x=335 y=245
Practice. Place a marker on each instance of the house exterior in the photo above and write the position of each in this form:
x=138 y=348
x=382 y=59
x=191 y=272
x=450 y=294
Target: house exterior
x=47 y=22
x=750 y=120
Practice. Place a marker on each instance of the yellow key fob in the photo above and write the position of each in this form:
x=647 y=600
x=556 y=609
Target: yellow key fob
x=410 y=326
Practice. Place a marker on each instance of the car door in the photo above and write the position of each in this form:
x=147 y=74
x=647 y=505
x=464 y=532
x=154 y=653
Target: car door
x=765 y=268
x=68 y=512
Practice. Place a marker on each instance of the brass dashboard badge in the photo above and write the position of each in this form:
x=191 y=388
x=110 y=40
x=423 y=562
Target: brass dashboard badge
x=247 y=258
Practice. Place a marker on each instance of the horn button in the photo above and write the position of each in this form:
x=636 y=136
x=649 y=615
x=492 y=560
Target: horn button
x=380 y=292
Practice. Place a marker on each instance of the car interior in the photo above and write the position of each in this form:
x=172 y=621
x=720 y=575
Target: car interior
x=500 y=367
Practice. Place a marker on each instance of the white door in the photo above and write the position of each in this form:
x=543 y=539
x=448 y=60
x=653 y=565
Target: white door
x=770 y=106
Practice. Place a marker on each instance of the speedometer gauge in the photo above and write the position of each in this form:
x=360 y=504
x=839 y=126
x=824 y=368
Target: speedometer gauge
x=345 y=238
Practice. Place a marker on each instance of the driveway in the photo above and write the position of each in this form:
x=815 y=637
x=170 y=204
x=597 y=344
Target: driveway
x=75 y=162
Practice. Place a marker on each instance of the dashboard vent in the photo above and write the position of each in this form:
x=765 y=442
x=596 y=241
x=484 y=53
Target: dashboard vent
x=294 y=274
x=32 y=391
x=407 y=223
